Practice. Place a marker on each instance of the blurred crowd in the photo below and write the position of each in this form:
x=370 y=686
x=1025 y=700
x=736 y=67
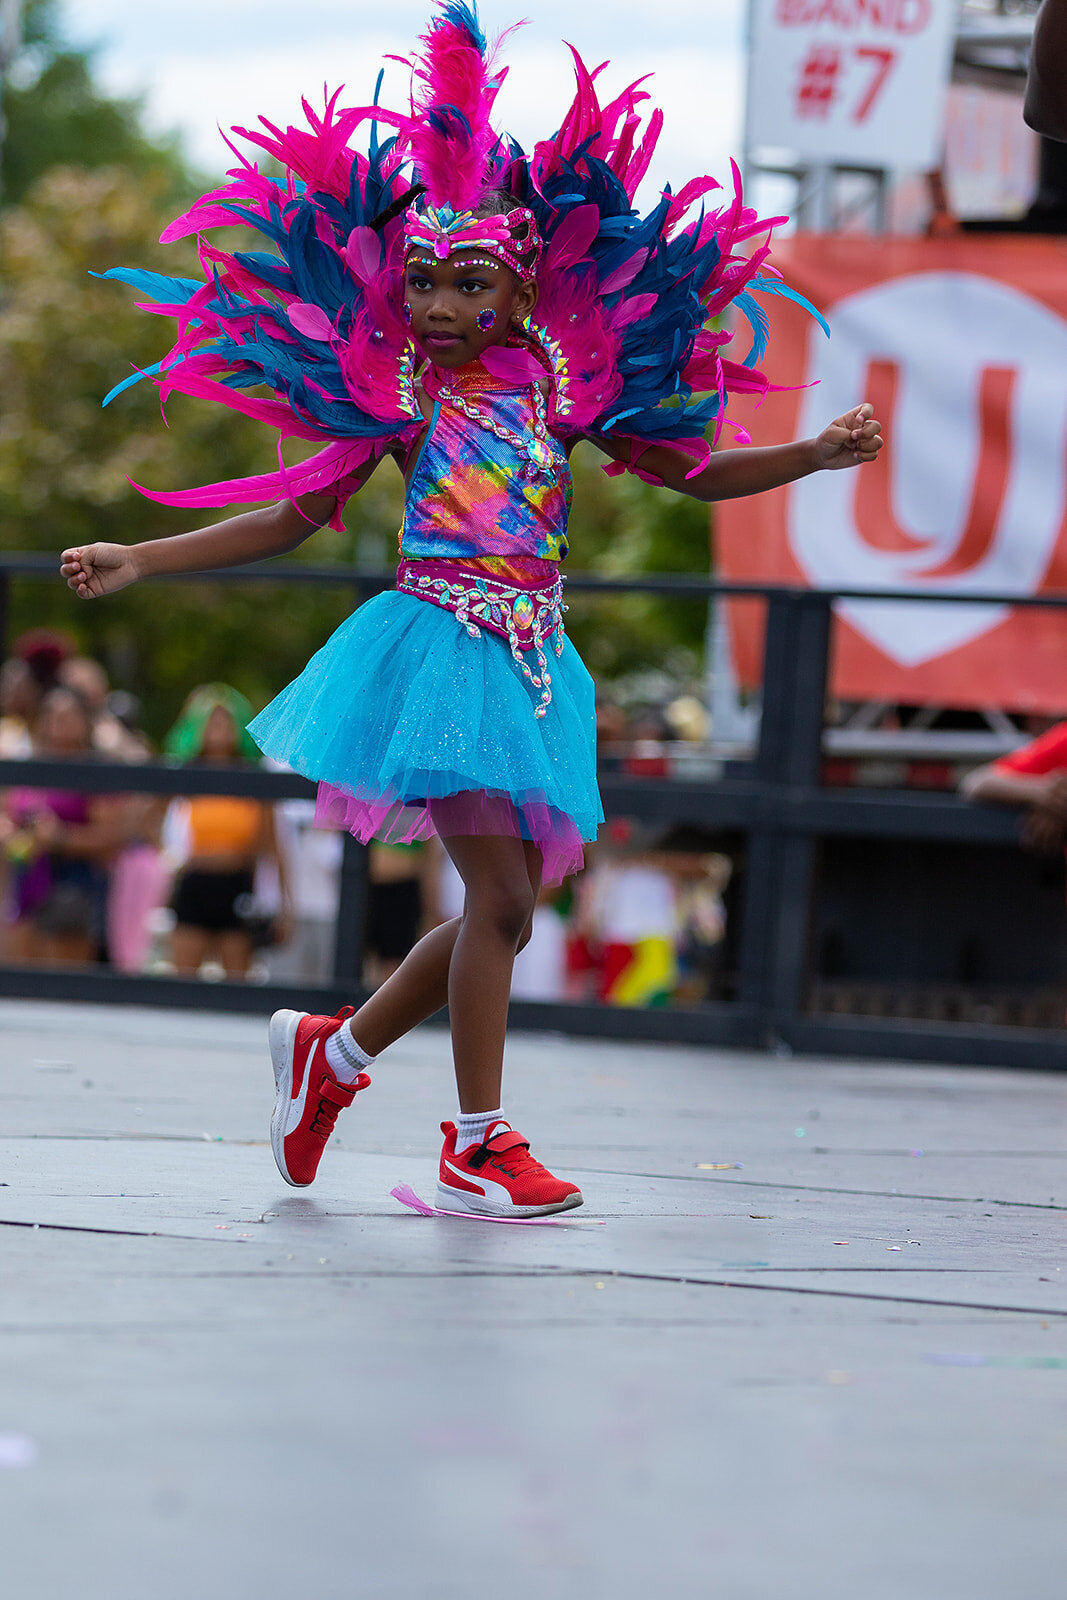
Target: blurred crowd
x=222 y=886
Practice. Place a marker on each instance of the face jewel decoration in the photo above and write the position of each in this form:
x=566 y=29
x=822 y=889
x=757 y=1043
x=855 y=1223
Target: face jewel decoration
x=407 y=315
x=441 y=230
x=487 y=319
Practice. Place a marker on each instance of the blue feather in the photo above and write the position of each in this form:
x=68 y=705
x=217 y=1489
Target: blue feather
x=134 y=377
x=776 y=286
x=464 y=16
x=171 y=290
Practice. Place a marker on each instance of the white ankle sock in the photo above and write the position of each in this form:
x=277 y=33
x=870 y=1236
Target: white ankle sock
x=472 y=1129
x=344 y=1057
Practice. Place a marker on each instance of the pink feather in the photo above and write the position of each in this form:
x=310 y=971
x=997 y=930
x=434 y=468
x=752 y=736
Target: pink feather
x=363 y=254
x=310 y=320
x=573 y=239
x=624 y=275
x=512 y=366
x=450 y=76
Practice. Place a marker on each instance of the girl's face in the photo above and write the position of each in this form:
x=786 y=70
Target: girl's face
x=461 y=306
x=63 y=725
x=219 y=741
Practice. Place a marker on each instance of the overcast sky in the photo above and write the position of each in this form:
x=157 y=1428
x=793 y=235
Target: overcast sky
x=199 y=63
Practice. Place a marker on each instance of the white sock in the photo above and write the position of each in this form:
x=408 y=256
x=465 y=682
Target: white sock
x=344 y=1057
x=472 y=1129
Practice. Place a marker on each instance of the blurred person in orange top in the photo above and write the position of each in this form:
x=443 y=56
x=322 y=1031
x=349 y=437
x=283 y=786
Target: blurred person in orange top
x=1045 y=109
x=224 y=838
x=59 y=844
x=1034 y=776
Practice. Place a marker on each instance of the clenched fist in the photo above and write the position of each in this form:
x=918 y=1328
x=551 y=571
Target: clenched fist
x=851 y=440
x=92 y=570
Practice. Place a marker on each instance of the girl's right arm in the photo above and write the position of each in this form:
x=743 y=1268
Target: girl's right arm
x=93 y=570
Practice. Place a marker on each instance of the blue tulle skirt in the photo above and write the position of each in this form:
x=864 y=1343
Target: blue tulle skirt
x=411 y=726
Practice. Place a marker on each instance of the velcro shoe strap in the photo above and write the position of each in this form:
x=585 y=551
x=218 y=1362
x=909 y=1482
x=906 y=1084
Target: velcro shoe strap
x=508 y=1140
x=342 y=1094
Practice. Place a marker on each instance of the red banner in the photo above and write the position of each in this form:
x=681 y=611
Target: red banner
x=961 y=344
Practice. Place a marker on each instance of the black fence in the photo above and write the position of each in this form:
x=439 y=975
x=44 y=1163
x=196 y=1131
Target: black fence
x=775 y=806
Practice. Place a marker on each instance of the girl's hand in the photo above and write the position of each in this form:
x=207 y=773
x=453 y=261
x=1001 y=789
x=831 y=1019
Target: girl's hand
x=92 y=570
x=850 y=441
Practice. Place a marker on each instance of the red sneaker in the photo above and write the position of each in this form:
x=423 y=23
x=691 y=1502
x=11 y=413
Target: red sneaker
x=499 y=1177
x=309 y=1096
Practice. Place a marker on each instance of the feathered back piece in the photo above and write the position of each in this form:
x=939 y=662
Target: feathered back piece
x=630 y=307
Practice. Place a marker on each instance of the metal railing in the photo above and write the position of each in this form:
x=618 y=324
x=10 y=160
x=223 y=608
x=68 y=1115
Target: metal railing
x=776 y=807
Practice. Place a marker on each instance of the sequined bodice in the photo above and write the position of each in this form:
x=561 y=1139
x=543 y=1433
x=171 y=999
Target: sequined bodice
x=491 y=480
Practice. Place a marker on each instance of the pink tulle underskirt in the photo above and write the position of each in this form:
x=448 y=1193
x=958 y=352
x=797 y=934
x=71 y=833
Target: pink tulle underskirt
x=474 y=811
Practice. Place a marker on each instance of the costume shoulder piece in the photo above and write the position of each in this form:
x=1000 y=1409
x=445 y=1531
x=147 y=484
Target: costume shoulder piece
x=628 y=322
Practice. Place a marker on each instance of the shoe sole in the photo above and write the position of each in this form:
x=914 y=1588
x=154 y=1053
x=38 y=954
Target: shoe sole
x=458 y=1200
x=282 y=1038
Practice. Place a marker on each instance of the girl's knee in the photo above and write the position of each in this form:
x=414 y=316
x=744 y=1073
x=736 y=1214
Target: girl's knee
x=506 y=907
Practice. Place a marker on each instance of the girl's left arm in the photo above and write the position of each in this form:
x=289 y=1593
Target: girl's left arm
x=851 y=440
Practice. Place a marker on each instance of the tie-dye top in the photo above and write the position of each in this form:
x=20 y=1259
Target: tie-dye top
x=476 y=493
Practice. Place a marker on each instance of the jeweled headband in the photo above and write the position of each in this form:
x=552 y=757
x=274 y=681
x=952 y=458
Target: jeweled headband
x=442 y=230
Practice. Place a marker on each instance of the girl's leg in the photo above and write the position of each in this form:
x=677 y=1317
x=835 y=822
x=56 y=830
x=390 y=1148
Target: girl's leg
x=419 y=987
x=502 y=878
x=188 y=948
x=235 y=952
x=67 y=949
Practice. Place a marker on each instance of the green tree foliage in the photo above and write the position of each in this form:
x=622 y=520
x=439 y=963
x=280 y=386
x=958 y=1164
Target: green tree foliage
x=56 y=114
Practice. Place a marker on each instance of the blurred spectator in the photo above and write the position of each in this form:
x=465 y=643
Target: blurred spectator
x=220 y=839
x=111 y=736
x=1034 y=776
x=700 y=878
x=541 y=969
x=1046 y=89
x=610 y=723
x=25 y=679
x=687 y=718
x=627 y=911
x=313 y=865
x=18 y=703
x=401 y=904
x=648 y=757
x=59 y=844
x=140 y=883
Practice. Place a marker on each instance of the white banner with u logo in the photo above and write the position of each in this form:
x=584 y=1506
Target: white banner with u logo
x=962 y=348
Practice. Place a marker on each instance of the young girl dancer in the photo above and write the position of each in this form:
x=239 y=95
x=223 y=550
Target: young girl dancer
x=395 y=316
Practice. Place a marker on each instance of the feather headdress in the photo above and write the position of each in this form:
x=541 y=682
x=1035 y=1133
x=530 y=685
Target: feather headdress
x=631 y=304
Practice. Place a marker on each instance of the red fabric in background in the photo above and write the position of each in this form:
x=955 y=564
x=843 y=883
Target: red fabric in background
x=1020 y=663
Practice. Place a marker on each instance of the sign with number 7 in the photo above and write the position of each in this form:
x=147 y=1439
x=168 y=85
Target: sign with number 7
x=847 y=81
x=882 y=62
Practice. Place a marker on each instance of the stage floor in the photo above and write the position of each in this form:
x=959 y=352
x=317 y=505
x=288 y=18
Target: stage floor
x=807 y=1338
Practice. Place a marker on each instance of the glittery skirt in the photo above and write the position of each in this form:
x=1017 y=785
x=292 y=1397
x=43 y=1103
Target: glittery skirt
x=410 y=726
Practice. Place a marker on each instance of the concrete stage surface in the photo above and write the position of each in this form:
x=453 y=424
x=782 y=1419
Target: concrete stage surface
x=807 y=1340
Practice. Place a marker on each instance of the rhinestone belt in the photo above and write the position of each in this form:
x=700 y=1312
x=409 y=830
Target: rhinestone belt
x=530 y=620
